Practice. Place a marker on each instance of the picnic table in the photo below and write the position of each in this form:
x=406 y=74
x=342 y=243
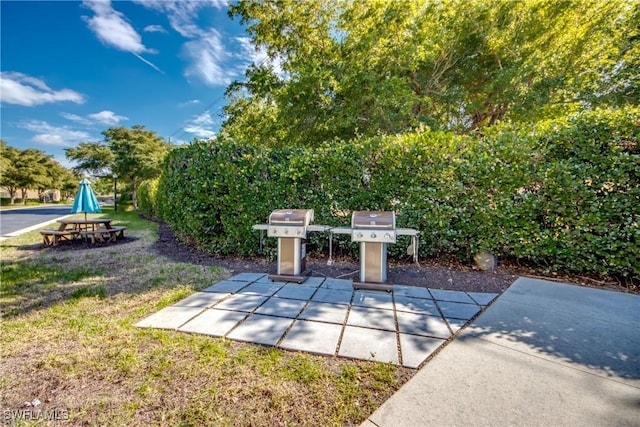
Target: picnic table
x=94 y=230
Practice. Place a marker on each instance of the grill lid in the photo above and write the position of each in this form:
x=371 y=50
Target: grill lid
x=385 y=220
x=291 y=217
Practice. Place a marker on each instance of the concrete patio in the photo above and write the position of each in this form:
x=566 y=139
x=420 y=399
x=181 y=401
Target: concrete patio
x=326 y=316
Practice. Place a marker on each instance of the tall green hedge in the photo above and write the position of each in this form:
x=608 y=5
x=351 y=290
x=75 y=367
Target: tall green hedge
x=564 y=194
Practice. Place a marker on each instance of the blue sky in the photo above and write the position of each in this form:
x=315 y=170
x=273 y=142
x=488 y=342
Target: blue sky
x=73 y=69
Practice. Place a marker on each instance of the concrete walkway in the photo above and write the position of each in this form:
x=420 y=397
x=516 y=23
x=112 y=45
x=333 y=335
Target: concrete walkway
x=543 y=353
x=326 y=316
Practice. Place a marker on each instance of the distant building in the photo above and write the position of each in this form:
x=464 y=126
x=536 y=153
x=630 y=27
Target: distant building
x=46 y=196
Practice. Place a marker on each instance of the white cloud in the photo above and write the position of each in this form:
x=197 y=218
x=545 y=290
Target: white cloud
x=107 y=117
x=113 y=29
x=47 y=134
x=201 y=125
x=188 y=103
x=50 y=139
x=154 y=29
x=103 y=117
x=182 y=14
x=20 y=89
x=76 y=118
x=207 y=56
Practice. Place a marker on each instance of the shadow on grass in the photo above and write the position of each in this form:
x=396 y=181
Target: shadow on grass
x=28 y=287
x=77 y=245
x=72 y=270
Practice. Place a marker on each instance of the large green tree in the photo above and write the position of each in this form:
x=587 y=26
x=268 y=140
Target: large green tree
x=133 y=154
x=384 y=66
x=30 y=169
x=10 y=177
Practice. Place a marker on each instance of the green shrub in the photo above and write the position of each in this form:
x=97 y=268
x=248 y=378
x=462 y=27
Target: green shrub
x=147 y=198
x=563 y=194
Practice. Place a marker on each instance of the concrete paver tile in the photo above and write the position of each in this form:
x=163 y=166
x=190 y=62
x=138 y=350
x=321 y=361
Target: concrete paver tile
x=201 y=299
x=170 y=317
x=213 y=322
x=226 y=286
x=325 y=312
x=417 y=305
x=482 y=298
x=456 y=324
x=314 y=337
x=313 y=282
x=415 y=349
x=422 y=324
x=458 y=310
x=452 y=296
x=341 y=284
x=261 y=329
x=411 y=291
x=242 y=302
x=282 y=307
x=248 y=277
x=373 y=299
x=369 y=344
x=332 y=295
x=368 y=317
x=258 y=288
x=295 y=292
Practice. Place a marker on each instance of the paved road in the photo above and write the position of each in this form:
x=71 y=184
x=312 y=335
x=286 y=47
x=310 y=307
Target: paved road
x=13 y=220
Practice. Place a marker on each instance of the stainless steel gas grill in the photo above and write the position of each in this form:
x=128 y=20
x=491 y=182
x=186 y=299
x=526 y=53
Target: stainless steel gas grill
x=374 y=230
x=290 y=227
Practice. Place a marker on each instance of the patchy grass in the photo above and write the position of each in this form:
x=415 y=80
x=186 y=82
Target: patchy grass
x=69 y=341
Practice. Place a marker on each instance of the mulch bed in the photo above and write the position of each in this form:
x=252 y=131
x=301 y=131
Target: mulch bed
x=427 y=274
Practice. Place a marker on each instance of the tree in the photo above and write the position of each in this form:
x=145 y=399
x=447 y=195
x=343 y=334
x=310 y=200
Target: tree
x=31 y=167
x=28 y=170
x=134 y=154
x=388 y=66
x=9 y=178
x=68 y=181
x=93 y=158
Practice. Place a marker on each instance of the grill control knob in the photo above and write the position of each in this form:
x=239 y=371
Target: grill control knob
x=274 y=230
x=359 y=235
x=373 y=235
x=286 y=231
x=298 y=232
x=387 y=236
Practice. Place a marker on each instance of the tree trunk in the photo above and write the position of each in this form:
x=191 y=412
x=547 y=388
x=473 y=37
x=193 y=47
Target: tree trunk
x=134 y=194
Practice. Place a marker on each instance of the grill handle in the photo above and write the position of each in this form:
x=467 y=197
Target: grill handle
x=364 y=227
x=287 y=222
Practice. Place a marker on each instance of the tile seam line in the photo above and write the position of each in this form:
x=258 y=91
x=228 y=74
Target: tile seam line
x=295 y=319
x=564 y=365
x=248 y=314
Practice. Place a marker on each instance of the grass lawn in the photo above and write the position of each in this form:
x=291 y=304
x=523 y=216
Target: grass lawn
x=68 y=340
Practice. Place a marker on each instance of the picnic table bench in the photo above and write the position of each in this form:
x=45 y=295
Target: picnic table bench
x=53 y=237
x=103 y=234
x=95 y=230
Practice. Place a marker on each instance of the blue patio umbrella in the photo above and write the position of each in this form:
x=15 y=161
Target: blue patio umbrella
x=85 y=200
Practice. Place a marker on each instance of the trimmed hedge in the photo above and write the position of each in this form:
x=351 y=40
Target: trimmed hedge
x=564 y=194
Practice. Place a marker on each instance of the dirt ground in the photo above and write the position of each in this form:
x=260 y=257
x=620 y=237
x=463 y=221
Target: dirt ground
x=429 y=273
x=454 y=277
